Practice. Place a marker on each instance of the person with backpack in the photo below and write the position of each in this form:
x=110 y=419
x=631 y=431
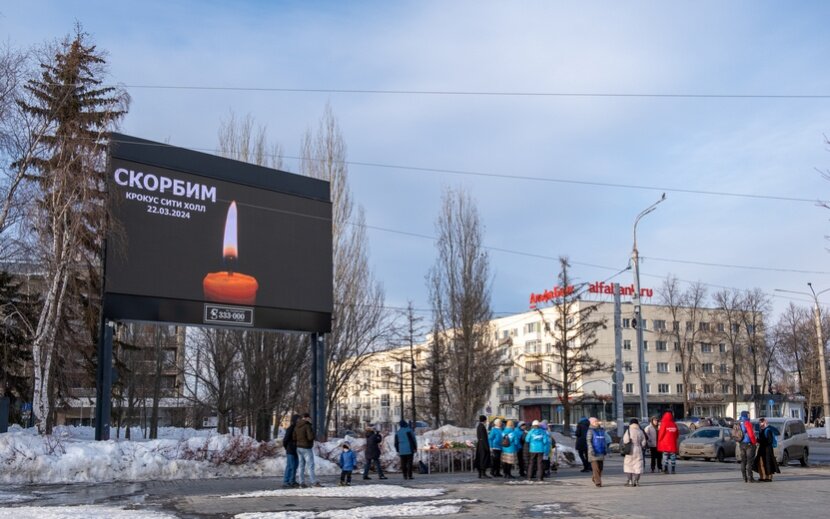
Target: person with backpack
x=406 y=445
x=537 y=441
x=494 y=440
x=765 y=463
x=667 y=441
x=597 y=449
x=744 y=434
x=509 y=446
x=635 y=440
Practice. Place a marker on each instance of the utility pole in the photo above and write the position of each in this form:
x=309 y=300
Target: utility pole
x=635 y=260
x=401 y=389
x=618 y=374
x=823 y=368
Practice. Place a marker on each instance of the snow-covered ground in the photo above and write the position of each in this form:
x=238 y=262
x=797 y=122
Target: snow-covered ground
x=816 y=432
x=412 y=509
x=71 y=455
x=86 y=512
x=374 y=491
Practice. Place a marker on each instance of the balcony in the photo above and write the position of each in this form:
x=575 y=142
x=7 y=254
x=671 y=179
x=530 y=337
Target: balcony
x=506 y=398
x=507 y=379
x=533 y=376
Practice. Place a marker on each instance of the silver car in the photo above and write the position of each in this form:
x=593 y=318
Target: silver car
x=708 y=443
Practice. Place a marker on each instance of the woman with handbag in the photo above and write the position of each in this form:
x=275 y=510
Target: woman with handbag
x=633 y=443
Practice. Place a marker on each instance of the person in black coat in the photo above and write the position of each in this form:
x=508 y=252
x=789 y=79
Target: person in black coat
x=765 y=463
x=372 y=455
x=582 y=443
x=289 y=479
x=482 y=461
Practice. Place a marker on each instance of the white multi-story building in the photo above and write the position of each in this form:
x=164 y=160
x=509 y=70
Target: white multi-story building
x=525 y=387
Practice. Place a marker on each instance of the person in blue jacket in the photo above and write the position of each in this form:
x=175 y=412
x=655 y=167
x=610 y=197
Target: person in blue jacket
x=537 y=440
x=511 y=444
x=406 y=445
x=348 y=461
x=494 y=439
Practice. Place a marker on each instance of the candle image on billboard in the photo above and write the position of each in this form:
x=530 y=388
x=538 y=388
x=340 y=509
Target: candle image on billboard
x=229 y=286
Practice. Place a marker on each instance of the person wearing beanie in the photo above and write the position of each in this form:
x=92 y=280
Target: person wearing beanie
x=510 y=445
x=667 y=441
x=745 y=434
x=633 y=463
x=482 y=461
x=348 y=461
x=582 y=444
x=537 y=440
x=597 y=449
x=651 y=436
x=522 y=453
x=494 y=440
x=406 y=446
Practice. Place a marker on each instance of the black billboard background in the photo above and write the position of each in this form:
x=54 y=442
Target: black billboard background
x=158 y=258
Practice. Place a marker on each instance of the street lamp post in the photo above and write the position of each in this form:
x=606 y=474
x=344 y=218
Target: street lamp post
x=635 y=260
x=822 y=362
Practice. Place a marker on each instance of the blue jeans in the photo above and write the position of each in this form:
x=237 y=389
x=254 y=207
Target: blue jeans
x=368 y=465
x=290 y=476
x=669 y=457
x=306 y=458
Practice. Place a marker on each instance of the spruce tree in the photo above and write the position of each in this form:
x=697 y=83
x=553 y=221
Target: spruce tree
x=70 y=218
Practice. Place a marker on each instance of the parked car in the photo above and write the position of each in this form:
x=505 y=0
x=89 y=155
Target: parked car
x=793 y=442
x=707 y=443
x=682 y=431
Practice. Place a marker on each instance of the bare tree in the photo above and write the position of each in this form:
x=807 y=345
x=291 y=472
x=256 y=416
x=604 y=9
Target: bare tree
x=756 y=307
x=686 y=311
x=459 y=285
x=359 y=320
x=730 y=306
x=574 y=335
x=211 y=363
x=70 y=218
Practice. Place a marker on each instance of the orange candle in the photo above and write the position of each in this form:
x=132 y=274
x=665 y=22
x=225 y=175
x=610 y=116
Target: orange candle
x=229 y=286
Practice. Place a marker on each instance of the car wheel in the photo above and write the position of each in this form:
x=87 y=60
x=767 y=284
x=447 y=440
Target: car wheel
x=721 y=455
x=803 y=459
x=707 y=459
x=785 y=458
x=684 y=458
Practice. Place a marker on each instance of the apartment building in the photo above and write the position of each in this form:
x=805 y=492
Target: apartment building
x=696 y=341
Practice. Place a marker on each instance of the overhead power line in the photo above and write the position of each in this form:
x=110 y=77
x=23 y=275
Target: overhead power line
x=741 y=267
x=479 y=93
x=532 y=178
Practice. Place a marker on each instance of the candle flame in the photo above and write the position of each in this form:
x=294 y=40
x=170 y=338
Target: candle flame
x=229 y=248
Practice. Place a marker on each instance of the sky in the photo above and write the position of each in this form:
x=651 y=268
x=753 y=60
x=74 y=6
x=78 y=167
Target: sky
x=553 y=175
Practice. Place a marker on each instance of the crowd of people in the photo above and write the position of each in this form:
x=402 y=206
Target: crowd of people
x=530 y=450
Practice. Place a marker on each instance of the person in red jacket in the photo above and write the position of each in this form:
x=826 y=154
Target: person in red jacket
x=667 y=436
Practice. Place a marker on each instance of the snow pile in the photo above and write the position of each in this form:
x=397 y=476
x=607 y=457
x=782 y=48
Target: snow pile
x=85 y=511
x=449 y=433
x=411 y=509
x=10 y=498
x=374 y=491
x=30 y=458
x=816 y=432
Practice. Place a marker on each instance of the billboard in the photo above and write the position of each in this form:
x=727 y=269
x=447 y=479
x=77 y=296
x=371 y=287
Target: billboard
x=200 y=239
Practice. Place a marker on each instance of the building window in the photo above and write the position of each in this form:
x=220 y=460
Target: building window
x=662 y=388
x=675 y=326
x=722 y=369
x=533 y=346
x=627 y=366
x=736 y=328
x=533 y=327
x=626 y=323
x=708 y=388
x=676 y=346
x=705 y=347
x=644 y=324
x=692 y=388
x=740 y=389
x=704 y=326
x=659 y=324
x=548 y=347
x=648 y=389
x=690 y=326
x=533 y=366
x=629 y=388
x=645 y=365
x=645 y=345
x=725 y=389
x=720 y=327
x=662 y=367
x=679 y=389
x=661 y=346
x=708 y=367
x=722 y=348
x=738 y=369
x=627 y=344
x=678 y=367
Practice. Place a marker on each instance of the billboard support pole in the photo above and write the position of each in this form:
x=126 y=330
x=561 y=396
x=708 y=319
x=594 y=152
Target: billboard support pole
x=314 y=384
x=320 y=351
x=103 y=382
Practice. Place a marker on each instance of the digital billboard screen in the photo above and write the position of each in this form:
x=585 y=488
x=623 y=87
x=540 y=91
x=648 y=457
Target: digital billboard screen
x=200 y=239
